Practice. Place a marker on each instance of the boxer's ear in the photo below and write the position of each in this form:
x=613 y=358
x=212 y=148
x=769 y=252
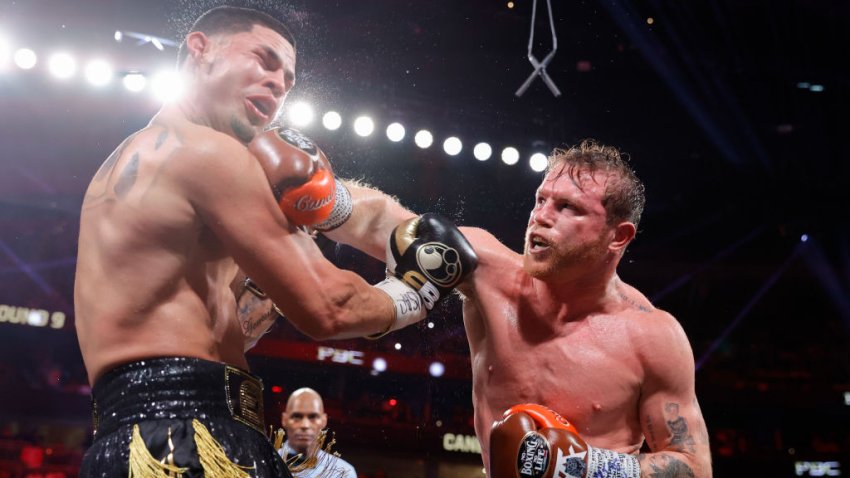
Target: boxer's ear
x=197 y=44
x=623 y=235
x=323 y=419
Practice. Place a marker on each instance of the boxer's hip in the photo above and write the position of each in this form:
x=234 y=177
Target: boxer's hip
x=176 y=388
x=179 y=416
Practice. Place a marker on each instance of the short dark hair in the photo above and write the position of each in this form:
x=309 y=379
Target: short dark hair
x=625 y=196
x=227 y=19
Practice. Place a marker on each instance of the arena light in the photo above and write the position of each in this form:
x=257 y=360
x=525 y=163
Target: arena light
x=430 y=325
x=300 y=114
x=62 y=65
x=538 y=162
x=437 y=369
x=379 y=365
x=510 y=156
x=332 y=120
x=364 y=126
x=423 y=139
x=98 y=72
x=482 y=151
x=25 y=58
x=397 y=346
x=452 y=146
x=118 y=36
x=167 y=86
x=395 y=132
x=135 y=82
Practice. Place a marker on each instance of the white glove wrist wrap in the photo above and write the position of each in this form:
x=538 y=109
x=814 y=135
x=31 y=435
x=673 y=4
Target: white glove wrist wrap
x=408 y=305
x=602 y=463
x=343 y=207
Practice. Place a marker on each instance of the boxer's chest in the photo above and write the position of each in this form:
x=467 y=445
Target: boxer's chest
x=585 y=371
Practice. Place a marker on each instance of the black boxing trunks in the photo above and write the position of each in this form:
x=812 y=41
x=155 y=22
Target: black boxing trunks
x=179 y=417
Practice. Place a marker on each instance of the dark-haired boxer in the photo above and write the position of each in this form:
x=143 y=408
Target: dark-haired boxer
x=556 y=326
x=167 y=223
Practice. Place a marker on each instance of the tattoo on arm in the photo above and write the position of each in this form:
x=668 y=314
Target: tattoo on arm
x=250 y=326
x=678 y=427
x=650 y=428
x=665 y=466
x=255 y=316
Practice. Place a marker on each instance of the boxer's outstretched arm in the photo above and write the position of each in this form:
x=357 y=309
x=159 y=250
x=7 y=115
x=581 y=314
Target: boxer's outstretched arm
x=669 y=413
x=233 y=199
x=374 y=215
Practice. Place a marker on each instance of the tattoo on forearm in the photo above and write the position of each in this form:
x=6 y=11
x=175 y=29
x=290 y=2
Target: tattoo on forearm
x=666 y=466
x=678 y=426
x=250 y=326
x=255 y=316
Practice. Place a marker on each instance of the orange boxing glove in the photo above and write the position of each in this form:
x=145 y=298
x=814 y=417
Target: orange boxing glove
x=301 y=178
x=532 y=441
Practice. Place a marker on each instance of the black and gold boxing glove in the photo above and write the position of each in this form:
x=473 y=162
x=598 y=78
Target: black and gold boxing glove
x=427 y=255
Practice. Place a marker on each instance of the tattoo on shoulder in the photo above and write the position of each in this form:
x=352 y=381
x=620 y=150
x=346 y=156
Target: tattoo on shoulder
x=634 y=303
x=678 y=426
x=160 y=139
x=666 y=466
x=113 y=158
x=99 y=194
x=128 y=177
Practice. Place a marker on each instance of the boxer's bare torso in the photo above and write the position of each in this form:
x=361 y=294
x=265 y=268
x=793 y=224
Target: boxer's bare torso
x=152 y=280
x=526 y=347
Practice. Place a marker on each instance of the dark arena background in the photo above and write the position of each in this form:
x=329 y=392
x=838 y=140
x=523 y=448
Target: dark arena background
x=734 y=113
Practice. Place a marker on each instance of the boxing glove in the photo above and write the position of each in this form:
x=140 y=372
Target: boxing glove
x=427 y=255
x=532 y=441
x=301 y=179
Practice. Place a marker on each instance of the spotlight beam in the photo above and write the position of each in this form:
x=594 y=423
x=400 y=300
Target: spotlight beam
x=720 y=255
x=158 y=42
x=29 y=271
x=771 y=281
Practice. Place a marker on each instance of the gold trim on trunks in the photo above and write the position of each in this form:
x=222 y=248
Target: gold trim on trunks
x=244 y=395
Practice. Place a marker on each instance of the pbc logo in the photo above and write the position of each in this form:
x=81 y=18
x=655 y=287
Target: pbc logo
x=533 y=458
x=440 y=263
x=295 y=138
